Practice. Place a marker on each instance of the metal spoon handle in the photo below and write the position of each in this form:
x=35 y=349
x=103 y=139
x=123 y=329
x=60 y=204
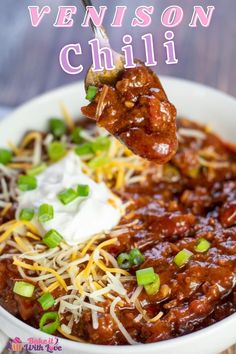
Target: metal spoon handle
x=99 y=32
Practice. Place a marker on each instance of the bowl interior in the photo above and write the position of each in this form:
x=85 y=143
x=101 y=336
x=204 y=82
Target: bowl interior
x=194 y=101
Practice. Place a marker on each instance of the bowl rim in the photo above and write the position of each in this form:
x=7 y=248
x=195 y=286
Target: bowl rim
x=173 y=342
x=164 y=78
x=69 y=344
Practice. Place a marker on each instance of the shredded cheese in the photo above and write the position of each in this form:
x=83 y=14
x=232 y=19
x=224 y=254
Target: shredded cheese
x=101 y=265
x=2 y=246
x=14 y=148
x=120 y=178
x=88 y=246
x=119 y=324
x=213 y=164
x=21 y=244
x=94 y=316
x=29 y=137
x=6 y=209
x=42 y=286
x=12 y=228
x=20 y=166
x=53 y=286
x=69 y=336
x=36 y=267
x=106 y=243
x=67 y=117
x=136 y=294
x=87 y=270
x=192 y=133
x=141 y=311
x=157 y=317
x=5 y=225
x=31 y=235
x=37 y=151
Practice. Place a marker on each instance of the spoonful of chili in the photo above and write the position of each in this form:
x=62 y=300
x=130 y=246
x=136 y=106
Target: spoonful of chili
x=132 y=105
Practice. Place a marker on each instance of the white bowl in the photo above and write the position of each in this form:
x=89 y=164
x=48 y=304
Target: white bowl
x=192 y=100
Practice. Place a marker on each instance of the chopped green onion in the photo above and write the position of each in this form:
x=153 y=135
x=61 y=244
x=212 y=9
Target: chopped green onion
x=46 y=301
x=57 y=127
x=83 y=190
x=171 y=173
x=153 y=288
x=67 y=196
x=56 y=150
x=46 y=213
x=5 y=156
x=52 y=239
x=76 y=136
x=202 y=245
x=24 y=289
x=84 y=149
x=26 y=214
x=123 y=261
x=133 y=258
x=101 y=144
x=37 y=170
x=182 y=257
x=194 y=172
x=99 y=161
x=145 y=276
x=27 y=183
x=91 y=92
x=136 y=257
x=49 y=322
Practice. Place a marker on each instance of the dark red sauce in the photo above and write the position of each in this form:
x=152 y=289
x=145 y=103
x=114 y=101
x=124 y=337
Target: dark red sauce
x=192 y=197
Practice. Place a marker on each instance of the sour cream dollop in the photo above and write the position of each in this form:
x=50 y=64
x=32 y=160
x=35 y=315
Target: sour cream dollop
x=80 y=219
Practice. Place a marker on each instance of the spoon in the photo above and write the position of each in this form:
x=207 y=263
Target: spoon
x=105 y=76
